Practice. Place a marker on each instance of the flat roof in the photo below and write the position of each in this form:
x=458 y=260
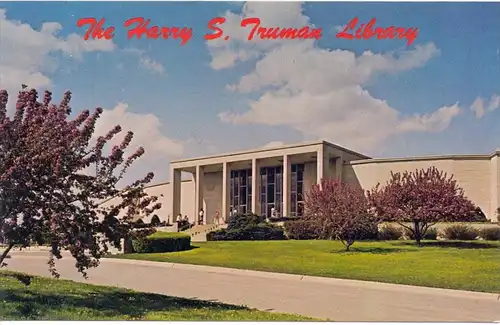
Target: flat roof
x=262 y=149
x=424 y=158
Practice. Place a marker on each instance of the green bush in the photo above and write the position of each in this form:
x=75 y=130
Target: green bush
x=257 y=232
x=479 y=216
x=162 y=242
x=490 y=233
x=301 y=230
x=369 y=231
x=155 y=221
x=388 y=232
x=460 y=232
x=430 y=234
x=240 y=221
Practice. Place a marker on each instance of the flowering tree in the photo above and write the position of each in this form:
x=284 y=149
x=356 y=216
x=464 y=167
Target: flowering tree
x=340 y=211
x=52 y=179
x=422 y=198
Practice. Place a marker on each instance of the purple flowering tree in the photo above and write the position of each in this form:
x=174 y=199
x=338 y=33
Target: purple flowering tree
x=339 y=211
x=418 y=200
x=53 y=177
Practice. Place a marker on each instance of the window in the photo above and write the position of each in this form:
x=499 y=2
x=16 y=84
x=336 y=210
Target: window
x=240 y=191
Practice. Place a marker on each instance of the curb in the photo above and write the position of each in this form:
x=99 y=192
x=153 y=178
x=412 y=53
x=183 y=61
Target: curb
x=306 y=278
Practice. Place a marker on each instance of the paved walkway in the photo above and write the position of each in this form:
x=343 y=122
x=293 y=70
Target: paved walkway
x=339 y=300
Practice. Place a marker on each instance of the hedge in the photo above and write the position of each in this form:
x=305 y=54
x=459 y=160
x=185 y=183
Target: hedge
x=460 y=232
x=162 y=242
x=240 y=221
x=257 y=232
x=301 y=230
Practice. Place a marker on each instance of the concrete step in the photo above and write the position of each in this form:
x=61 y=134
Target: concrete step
x=199 y=232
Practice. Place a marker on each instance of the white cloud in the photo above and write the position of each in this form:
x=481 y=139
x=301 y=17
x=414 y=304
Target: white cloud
x=147 y=128
x=320 y=92
x=226 y=54
x=146 y=62
x=26 y=53
x=480 y=106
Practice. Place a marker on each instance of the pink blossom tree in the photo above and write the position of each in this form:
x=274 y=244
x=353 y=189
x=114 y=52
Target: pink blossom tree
x=53 y=177
x=421 y=198
x=340 y=211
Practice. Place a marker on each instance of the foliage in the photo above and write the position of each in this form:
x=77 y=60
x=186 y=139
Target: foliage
x=240 y=221
x=54 y=174
x=389 y=232
x=183 y=225
x=284 y=219
x=247 y=227
x=301 y=230
x=155 y=221
x=340 y=211
x=250 y=232
x=162 y=242
x=460 y=232
x=423 y=198
x=479 y=216
x=430 y=234
x=490 y=233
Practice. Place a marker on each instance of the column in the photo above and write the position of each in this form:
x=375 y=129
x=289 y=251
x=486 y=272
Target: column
x=287 y=185
x=494 y=187
x=226 y=177
x=175 y=181
x=199 y=192
x=320 y=165
x=339 y=165
x=255 y=186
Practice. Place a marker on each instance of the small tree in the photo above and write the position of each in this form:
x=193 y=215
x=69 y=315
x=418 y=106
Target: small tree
x=340 y=211
x=422 y=198
x=53 y=179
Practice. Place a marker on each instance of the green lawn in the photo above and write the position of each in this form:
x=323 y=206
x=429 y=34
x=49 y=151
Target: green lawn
x=473 y=266
x=50 y=299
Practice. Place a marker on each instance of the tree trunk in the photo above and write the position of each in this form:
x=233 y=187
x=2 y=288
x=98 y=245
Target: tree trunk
x=417 y=232
x=5 y=254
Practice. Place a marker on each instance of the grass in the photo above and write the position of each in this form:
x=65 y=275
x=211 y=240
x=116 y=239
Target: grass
x=50 y=299
x=472 y=266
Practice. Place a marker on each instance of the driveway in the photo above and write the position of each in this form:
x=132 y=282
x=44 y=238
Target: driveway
x=339 y=300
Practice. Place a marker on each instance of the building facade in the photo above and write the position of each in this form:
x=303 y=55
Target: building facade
x=276 y=179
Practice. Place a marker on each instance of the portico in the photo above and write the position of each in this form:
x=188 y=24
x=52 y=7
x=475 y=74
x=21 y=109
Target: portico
x=259 y=180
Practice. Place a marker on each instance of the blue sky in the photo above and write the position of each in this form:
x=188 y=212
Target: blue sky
x=396 y=101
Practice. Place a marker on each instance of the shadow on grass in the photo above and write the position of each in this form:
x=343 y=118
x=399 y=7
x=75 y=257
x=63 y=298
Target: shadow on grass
x=97 y=305
x=450 y=244
x=371 y=250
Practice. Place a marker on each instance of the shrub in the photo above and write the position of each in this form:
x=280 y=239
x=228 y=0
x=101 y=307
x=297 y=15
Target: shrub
x=490 y=233
x=479 y=216
x=284 y=219
x=140 y=224
x=423 y=197
x=430 y=234
x=460 y=232
x=162 y=242
x=388 y=232
x=240 y=221
x=342 y=210
x=155 y=221
x=258 y=232
x=301 y=230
